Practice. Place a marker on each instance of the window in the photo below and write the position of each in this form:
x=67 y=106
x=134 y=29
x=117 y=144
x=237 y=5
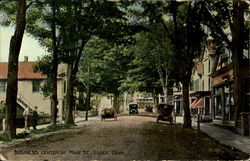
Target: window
x=2 y=86
x=226 y=105
x=203 y=85
x=248 y=93
x=195 y=85
x=64 y=86
x=231 y=102
x=207 y=105
x=218 y=103
x=227 y=102
x=209 y=83
x=36 y=85
x=209 y=68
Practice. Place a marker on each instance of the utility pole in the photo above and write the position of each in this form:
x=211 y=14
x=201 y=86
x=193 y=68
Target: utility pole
x=88 y=94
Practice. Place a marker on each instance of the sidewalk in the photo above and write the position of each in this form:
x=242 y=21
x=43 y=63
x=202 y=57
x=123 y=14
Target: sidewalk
x=224 y=136
x=78 y=121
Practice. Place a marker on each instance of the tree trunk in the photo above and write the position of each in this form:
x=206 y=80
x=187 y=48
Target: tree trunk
x=69 y=120
x=166 y=85
x=88 y=105
x=237 y=52
x=116 y=103
x=164 y=82
x=12 y=82
x=54 y=68
x=88 y=93
x=156 y=100
x=71 y=76
x=81 y=100
x=187 y=122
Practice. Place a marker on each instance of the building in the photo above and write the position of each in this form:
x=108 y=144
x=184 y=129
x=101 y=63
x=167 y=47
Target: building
x=200 y=89
x=200 y=86
x=222 y=79
x=211 y=89
x=29 y=89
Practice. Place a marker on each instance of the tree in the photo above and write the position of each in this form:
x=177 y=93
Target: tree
x=42 y=66
x=109 y=62
x=152 y=50
x=42 y=24
x=55 y=63
x=89 y=18
x=152 y=65
x=14 y=50
x=48 y=38
x=188 y=38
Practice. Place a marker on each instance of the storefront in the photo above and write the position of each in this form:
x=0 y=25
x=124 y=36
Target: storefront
x=178 y=104
x=222 y=95
x=200 y=104
x=223 y=102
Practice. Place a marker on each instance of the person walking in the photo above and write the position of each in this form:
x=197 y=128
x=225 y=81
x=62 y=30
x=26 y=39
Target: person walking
x=27 y=117
x=34 y=117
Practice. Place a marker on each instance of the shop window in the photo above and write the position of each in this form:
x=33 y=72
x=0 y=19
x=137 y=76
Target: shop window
x=178 y=107
x=218 y=103
x=248 y=93
x=227 y=102
x=246 y=54
x=207 y=105
x=2 y=86
x=228 y=106
x=194 y=111
x=231 y=102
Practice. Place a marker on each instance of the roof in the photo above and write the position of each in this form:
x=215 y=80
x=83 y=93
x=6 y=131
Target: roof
x=25 y=71
x=199 y=93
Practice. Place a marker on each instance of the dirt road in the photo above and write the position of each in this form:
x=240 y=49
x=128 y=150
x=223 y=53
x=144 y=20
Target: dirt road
x=128 y=138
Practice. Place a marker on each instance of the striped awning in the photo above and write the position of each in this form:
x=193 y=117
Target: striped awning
x=198 y=103
x=192 y=105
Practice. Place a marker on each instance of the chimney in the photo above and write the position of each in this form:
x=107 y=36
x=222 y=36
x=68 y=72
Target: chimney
x=26 y=58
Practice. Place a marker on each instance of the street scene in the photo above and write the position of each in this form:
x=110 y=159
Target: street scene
x=124 y=80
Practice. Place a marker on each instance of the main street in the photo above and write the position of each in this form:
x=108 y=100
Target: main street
x=130 y=137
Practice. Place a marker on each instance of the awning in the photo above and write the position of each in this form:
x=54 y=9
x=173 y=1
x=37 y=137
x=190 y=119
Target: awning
x=192 y=105
x=198 y=103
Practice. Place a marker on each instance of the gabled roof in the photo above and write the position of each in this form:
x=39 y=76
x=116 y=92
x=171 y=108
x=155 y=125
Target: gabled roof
x=25 y=71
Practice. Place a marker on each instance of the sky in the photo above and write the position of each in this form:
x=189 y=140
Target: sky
x=30 y=46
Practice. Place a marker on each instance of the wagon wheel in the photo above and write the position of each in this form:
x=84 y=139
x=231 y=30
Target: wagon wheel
x=171 y=121
x=157 y=119
x=102 y=118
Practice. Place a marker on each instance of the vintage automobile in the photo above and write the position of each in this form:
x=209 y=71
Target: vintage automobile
x=108 y=113
x=164 y=112
x=133 y=109
x=149 y=108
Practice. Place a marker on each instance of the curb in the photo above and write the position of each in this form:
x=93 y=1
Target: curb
x=2 y=158
x=33 y=138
